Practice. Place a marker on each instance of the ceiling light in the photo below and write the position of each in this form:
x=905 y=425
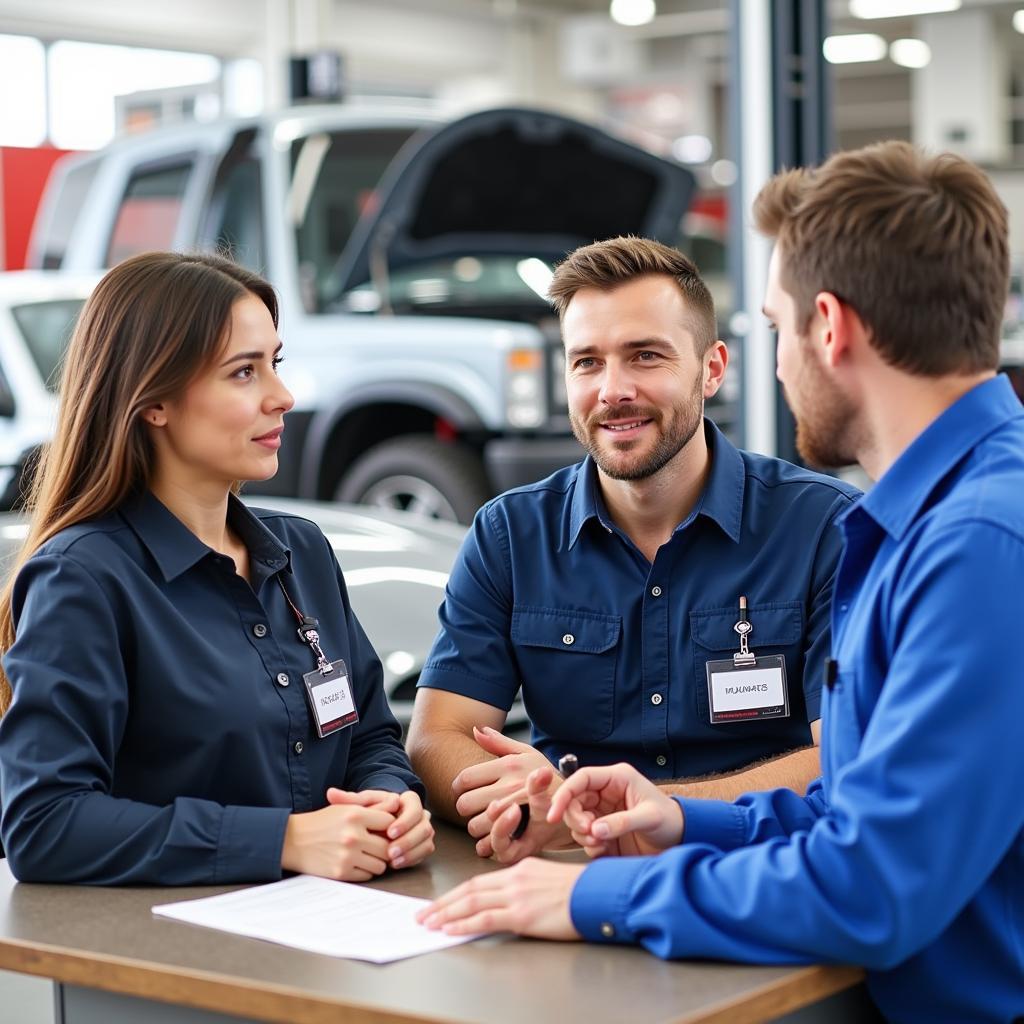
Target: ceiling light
x=901 y=8
x=910 y=53
x=854 y=49
x=1018 y=21
x=632 y=12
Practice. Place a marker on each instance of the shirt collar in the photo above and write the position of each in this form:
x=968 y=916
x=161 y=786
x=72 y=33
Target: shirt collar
x=898 y=497
x=722 y=499
x=175 y=548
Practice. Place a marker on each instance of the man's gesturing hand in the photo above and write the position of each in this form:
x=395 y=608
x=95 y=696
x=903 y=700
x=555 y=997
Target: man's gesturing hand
x=615 y=811
x=478 y=786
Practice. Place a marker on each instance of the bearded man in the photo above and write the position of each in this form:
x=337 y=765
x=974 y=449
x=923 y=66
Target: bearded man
x=665 y=602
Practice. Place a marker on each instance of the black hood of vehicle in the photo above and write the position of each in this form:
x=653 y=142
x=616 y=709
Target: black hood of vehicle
x=513 y=182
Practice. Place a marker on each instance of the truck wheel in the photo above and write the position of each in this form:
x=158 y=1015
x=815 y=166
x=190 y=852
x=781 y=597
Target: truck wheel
x=416 y=473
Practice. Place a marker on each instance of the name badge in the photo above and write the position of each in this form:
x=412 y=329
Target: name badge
x=753 y=690
x=330 y=698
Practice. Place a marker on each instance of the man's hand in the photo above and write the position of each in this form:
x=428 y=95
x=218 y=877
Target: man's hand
x=615 y=811
x=477 y=787
x=341 y=842
x=411 y=835
x=530 y=899
x=540 y=834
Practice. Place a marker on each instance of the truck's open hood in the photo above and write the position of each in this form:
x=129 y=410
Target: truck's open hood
x=513 y=182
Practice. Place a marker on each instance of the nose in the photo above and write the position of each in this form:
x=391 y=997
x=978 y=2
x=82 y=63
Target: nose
x=617 y=384
x=278 y=398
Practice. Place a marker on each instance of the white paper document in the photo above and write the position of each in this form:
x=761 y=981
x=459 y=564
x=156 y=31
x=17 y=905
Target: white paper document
x=319 y=915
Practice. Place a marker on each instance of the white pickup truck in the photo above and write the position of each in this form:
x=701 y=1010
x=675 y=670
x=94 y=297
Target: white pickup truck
x=410 y=258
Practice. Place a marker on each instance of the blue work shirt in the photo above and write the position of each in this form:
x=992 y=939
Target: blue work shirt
x=907 y=856
x=611 y=649
x=159 y=731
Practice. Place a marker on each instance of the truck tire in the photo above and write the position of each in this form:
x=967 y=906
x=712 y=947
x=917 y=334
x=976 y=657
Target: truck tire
x=419 y=474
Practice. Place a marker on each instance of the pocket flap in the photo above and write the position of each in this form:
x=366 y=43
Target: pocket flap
x=775 y=625
x=565 y=629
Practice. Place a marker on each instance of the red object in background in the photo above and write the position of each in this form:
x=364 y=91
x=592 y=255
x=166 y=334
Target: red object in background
x=23 y=174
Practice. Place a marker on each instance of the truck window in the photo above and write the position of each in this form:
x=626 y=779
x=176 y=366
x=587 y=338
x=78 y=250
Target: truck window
x=46 y=328
x=74 y=188
x=149 y=212
x=334 y=175
x=236 y=224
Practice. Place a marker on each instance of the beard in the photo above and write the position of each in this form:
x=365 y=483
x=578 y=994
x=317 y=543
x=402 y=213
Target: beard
x=826 y=418
x=676 y=428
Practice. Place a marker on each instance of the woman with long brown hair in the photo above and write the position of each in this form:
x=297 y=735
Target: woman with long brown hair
x=183 y=677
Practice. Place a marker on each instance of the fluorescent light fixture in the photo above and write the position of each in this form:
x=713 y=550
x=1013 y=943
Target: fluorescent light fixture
x=910 y=53
x=901 y=8
x=536 y=275
x=632 y=12
x=854 y=49
x=1018 y=21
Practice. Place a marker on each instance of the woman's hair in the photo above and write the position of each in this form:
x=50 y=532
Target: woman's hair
x=150 y=326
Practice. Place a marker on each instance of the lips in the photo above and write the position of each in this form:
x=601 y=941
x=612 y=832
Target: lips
x=617 y=426
x=271 y=435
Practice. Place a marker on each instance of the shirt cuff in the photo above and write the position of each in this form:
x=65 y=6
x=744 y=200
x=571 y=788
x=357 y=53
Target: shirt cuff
x=389 y=783
x=250 y=844
x=715 y=822
x=600 y=900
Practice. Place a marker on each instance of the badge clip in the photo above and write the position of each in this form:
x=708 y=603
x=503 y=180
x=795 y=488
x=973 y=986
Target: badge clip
x=744 y=656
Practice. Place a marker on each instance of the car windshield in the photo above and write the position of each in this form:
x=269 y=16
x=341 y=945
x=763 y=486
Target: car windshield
x=46 y=328
x=334 y=175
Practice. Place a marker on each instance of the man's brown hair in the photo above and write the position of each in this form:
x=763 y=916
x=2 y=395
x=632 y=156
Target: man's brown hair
x=617 y=261
x=916 y=244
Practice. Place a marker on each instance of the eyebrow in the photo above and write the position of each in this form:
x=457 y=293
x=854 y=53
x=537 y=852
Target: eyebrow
x=639 y=343
x=254 y=356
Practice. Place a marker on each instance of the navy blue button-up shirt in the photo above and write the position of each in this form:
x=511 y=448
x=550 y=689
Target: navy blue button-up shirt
x=610 y=649
x=150 y=738
x=908 y=855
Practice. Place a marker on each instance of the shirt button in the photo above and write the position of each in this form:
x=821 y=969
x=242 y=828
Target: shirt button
x=608 y=930
x=298 y=748
x=656 y=591
x=568 y=639
x=661 y=760
x=282 y=679
x=656 y=699
x=259 y=629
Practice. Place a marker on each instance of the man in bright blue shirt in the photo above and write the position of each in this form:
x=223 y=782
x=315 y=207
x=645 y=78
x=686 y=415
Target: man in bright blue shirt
x=887 y=287
x=606 y=589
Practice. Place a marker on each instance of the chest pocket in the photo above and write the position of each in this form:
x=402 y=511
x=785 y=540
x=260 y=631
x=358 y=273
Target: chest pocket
x=778 y=629
x=567 y=661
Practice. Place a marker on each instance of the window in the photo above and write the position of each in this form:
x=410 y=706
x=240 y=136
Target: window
x=333 y=180
x=149 y=213
x=57 y=232
x=46 y=328
x=234 y=223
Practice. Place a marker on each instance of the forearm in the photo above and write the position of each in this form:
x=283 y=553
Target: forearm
x=795 y=770
x=437 y=757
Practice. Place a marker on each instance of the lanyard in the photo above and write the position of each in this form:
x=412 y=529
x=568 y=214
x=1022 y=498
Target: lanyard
x=307 y=631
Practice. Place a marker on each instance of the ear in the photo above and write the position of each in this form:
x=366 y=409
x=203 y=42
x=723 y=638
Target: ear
x=835 y=328
x=154 y=415
x=715 y=361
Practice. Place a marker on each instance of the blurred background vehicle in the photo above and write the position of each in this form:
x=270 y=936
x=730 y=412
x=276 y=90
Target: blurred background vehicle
x=37 y=313
x=396 y=567
x=412 y=259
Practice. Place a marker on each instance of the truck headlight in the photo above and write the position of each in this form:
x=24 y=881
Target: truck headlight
x=524 y=388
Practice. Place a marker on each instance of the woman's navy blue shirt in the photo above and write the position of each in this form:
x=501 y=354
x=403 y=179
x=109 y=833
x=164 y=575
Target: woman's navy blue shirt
x=159 y=731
